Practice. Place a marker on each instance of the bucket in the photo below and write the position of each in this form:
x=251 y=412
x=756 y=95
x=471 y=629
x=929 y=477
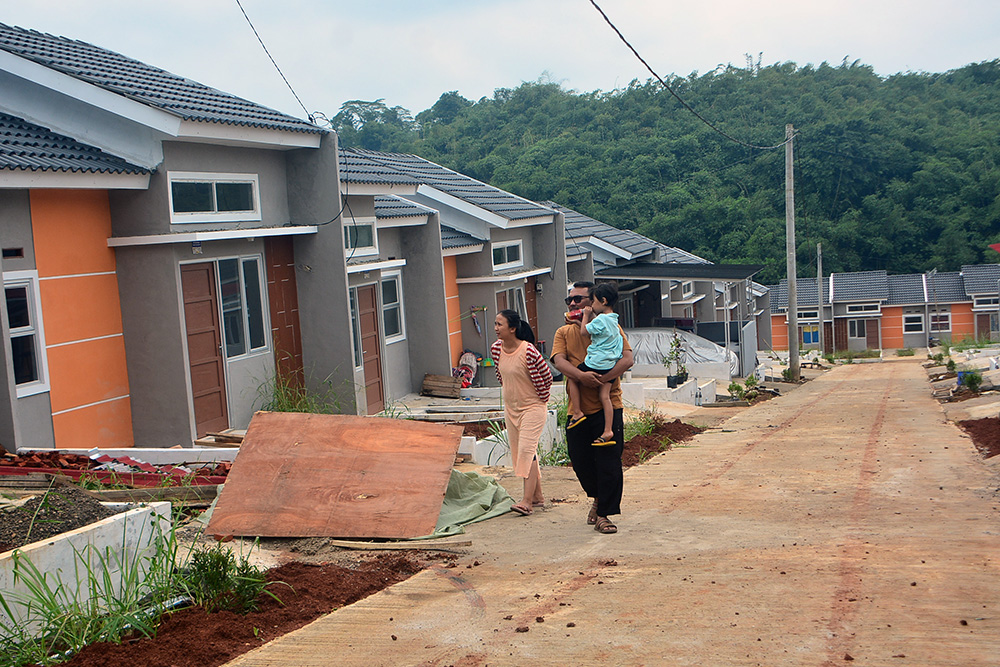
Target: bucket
x=961 y=377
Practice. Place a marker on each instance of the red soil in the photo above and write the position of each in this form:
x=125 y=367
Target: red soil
x=985 y=433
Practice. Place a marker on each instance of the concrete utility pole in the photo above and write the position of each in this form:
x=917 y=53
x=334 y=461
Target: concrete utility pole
x=793 y=300
x=819 y=297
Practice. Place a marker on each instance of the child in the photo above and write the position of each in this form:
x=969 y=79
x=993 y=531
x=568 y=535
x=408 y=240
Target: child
x=600 y=322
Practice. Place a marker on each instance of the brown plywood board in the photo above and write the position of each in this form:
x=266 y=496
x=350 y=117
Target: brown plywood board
x=303 y=475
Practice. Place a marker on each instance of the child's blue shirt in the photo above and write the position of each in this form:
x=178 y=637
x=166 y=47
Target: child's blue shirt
x=605 y=347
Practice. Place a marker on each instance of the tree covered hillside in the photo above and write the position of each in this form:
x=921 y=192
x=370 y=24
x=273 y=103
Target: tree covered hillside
x=897 y=173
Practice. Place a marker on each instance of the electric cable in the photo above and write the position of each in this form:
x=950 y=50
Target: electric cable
x=678 y=97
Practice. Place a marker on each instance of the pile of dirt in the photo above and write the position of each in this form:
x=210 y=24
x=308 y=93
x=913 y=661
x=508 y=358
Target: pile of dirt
x=985 y=434
x=194 y=638
x=481 y=430
x=664 y=435
x=56 y=511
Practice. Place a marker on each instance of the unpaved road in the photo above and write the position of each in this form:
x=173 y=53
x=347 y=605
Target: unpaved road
x=844 y=523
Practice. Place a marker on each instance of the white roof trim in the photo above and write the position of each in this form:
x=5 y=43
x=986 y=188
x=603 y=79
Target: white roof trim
x=89 y=93
x=376 y=266
x=502 y=278
x=685 y=302
x=402 y=221
x=608 y=247
x=462 y=250
x=200 y=131
x=377 y=188
x=462 y=205
x=221 y=235
x=24 y=179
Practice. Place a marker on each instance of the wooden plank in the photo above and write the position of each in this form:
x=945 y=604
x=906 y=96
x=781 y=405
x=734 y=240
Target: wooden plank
x=435 y=545
x=225 y=437
x=187 y=494
x=305 y=475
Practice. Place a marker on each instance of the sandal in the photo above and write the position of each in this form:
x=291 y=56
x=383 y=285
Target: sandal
x=521 y=509
x=603 y=442
x=604 y=526
x=592 y=515
x=573 y=423
x=538 y=504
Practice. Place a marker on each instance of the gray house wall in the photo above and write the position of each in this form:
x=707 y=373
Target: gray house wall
x=321 y=271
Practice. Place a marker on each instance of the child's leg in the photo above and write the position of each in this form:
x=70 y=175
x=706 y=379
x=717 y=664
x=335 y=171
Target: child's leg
x=605 y=394
x=573 y=389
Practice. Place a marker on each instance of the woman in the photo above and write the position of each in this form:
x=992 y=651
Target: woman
x=525 y=395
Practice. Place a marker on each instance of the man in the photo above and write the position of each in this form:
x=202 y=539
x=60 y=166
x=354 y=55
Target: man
x=599 y=469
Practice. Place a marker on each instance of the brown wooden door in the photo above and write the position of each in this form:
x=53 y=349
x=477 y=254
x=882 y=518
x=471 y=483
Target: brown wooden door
x=840 y=334
x=827 y=338
x=531 y=304
x=371 y=357
x=982 y=325
x=871 y=335
x=204 y=341
x=283 y=303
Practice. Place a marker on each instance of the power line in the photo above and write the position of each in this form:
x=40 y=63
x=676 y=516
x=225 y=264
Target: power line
x=283 y=78
x=678 y=97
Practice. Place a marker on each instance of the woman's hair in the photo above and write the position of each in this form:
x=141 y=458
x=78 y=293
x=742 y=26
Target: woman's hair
x=605 y=292
x=522 y=330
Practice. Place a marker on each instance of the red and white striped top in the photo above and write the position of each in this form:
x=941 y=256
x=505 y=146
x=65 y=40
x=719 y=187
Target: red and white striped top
x=538 y=370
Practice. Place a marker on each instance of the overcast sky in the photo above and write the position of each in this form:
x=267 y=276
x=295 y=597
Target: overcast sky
x=410 y=51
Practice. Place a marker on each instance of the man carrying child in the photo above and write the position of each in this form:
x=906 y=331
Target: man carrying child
x=597 y=467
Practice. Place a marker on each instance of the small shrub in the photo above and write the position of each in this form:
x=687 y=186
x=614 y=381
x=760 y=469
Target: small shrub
x=950 y=366
x=751 y=382
x=973 y=380
x=641 y=424
x=737 y=391
x=218 y=581
x=786 y=375
x=905 y=352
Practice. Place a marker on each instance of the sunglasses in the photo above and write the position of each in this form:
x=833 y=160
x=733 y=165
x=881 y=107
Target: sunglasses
x=576 y=298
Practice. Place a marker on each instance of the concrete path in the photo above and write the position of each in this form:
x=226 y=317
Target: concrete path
x=844 y=523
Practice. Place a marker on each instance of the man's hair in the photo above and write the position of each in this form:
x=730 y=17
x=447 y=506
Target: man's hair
x=605 y=292
x=583 y=284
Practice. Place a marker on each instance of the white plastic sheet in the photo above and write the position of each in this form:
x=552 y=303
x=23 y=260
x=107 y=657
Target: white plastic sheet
x=649 y=346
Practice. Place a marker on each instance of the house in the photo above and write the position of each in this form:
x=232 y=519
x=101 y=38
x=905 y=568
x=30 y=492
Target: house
x=167 y=247
x=663 y=286
x=496 y=250
x=874 y=310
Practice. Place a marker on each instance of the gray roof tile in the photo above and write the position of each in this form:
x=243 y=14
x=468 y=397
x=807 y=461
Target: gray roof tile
x=143 y=83
x=981 y=278
x=389 y=206
x=861 y=286
x=356 y=168
x=906 y=290
x=26 y=146
x=457 y=185
x=453 y=238
x=805 y=294
x=946 y=288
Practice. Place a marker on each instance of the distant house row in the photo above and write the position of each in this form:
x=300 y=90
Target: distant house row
x=873 y=310
x=172 y=253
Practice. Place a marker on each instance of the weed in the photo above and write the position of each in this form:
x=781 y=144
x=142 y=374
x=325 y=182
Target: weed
x=905 y=352
x=950 y=366
x=218 y=581
x=287 y=394
x=498 y=434
x=970 y=343
x=557 y=456
x=642 y=424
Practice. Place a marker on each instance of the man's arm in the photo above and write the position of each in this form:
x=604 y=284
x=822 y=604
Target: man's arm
x=623 y=365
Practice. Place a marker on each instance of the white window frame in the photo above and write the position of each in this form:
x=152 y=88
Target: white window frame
x=852 y=325
x=808 y=315
x=515 y=300
x=503 y=246
x=213 y=178
x=396 y=277
x=360 y=250
x=864 y=308
x=985 y=302
x=245 y=313
x=911 y=319
x=813 y=333
x=687 y=288
x=29 y=280
x=359 y=360
x=940 y=321
x=626 y=312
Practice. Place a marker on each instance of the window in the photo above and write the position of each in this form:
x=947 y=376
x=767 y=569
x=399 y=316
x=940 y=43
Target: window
x=863 y=308
x=856 y=328
x=687 y=288
x=392 y=308
x=986 y=301
x=913 y=323
x=27 y=340
x=198 y=197
x=808 y=314
x=507 y=255
x=940 y=322
x=512 y=299
x=242 y=305
x=360 y=238
x=810 y=334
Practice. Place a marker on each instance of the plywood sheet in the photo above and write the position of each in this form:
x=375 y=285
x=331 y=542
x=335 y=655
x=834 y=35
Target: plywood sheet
x=302 y=475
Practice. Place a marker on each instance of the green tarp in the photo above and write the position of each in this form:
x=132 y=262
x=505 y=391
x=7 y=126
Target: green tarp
x=470 y=497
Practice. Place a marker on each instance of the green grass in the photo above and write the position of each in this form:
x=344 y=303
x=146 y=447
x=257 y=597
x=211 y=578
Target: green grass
x=641 y=424
x=905 y=352
x=970 y=343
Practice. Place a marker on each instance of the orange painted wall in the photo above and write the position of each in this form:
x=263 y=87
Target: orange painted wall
x=963 y=321
x=81 y=314
x=454 y=309
x=892 y=327
x=779 y=332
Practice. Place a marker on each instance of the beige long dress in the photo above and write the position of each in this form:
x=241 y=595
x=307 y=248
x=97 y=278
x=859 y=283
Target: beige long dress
x=524 y=411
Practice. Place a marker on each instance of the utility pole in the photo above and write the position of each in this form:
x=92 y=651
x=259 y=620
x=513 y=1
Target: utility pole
x=793 y=300
x=819 y=297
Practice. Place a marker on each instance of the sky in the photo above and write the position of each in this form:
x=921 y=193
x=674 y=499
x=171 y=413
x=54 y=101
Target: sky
x=409 y=52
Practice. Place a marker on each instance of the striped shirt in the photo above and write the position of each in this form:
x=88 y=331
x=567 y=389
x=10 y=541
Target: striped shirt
x=538 y=369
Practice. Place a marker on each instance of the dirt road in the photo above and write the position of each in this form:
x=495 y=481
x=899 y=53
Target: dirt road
x=844 y=523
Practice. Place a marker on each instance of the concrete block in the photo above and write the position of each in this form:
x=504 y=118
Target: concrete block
x=125 y=538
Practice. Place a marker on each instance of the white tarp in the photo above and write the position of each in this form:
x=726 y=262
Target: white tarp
x=649 y=346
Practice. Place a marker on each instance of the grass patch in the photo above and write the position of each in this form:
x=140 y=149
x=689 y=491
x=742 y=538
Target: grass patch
x=905 y=352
